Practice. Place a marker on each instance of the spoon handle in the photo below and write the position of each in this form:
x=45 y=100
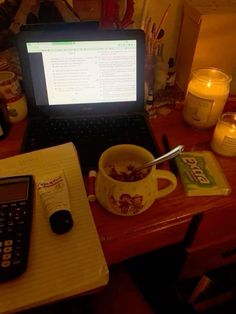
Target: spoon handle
x=171 y=154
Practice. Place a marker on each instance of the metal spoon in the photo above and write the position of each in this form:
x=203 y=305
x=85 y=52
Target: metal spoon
x=171 y=154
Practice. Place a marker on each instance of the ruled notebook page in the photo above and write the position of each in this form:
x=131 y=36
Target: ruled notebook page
x=59 y=266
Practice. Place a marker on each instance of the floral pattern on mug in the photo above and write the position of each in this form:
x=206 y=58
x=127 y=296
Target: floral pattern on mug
x=127 y=204
x=14 y=89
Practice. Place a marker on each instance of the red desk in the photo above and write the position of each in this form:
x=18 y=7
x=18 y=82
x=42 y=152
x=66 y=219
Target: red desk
x=167 y=221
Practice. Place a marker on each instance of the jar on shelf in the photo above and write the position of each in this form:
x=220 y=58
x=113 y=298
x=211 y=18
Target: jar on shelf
x=206 y=96
x=224 y=136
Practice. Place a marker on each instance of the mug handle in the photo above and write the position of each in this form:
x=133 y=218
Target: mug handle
x=169 y=176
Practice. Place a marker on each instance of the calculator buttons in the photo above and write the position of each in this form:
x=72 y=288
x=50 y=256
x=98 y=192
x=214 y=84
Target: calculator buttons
x=6 y=263
x=6 y=257
x=8 y=242
x=7 y=249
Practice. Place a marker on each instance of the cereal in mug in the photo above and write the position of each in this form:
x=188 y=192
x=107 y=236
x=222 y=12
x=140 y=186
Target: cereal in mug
x=125 y=171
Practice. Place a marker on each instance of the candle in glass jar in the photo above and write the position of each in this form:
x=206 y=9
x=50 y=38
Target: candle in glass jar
x=224 y=137
x=206 y=96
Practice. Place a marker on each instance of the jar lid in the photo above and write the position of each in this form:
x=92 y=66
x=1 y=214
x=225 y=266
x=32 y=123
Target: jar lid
x=229 y=118
x=212 y=74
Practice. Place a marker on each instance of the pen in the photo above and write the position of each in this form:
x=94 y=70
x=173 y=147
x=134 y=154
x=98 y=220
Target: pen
x=167 y=148
x=91 y=186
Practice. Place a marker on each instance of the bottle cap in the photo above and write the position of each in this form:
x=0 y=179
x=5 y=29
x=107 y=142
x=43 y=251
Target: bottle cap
x=61 y=221
x=92 y=173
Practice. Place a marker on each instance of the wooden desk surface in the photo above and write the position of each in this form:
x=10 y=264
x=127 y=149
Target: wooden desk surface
x=168 y=219
x=123 y=237
x=11 y=145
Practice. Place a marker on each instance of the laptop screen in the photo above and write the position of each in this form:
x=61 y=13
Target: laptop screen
x=76 y=72
x=84 y=72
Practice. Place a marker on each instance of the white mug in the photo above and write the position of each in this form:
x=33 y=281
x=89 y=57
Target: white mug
x=134 y=196
x=11 y=94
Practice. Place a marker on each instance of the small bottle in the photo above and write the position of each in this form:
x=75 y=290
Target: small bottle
x=4 y=126
x=149 y=106
x=170 y=80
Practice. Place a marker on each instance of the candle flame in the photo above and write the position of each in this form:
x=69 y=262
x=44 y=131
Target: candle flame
x=209 y=83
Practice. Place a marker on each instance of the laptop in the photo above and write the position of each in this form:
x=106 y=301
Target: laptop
x=85 y=86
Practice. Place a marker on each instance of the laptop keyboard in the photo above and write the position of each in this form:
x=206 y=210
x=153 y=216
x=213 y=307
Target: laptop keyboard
x=91 y=136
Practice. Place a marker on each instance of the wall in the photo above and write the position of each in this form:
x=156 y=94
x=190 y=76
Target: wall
x=156 y=9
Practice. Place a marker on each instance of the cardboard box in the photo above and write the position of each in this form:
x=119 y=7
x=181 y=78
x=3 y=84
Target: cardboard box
x=207 y=39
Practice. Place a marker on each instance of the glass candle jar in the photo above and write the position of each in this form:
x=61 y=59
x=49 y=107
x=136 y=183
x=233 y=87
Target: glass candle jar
x=224 y=137
x=206 y=95
x=149 y=71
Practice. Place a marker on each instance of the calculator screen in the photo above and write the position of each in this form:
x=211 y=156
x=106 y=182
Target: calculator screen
x=15 y=191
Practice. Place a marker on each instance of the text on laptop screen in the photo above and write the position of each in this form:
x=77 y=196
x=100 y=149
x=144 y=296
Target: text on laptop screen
x=80 y=72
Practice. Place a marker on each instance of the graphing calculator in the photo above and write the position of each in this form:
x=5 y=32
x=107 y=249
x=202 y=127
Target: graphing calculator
x=16 y=207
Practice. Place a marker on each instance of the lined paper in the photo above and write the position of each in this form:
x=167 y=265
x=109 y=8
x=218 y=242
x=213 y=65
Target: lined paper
x=59 y=266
